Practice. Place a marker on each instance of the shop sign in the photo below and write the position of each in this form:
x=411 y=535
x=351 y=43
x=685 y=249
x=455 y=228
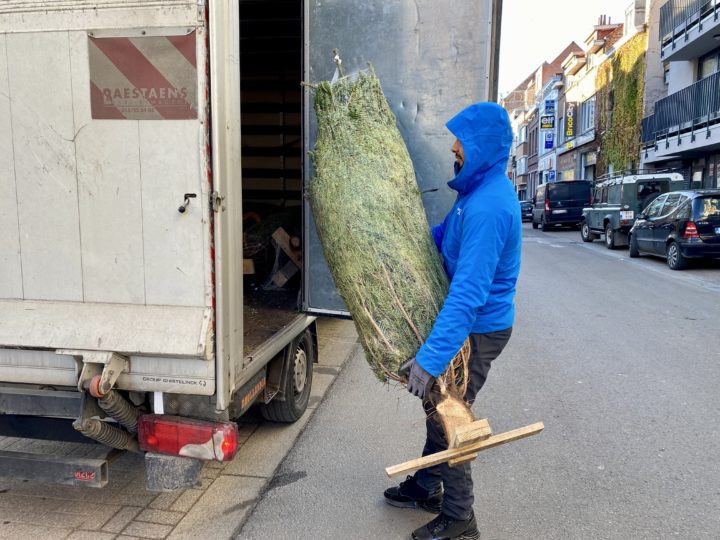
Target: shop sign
x=570 y=124
x=549 y=141
x=547 y=122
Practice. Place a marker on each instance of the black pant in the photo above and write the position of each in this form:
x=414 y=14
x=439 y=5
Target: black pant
x=457 y=481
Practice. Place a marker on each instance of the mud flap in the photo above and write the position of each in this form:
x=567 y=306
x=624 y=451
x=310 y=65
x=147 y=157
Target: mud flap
x=168 y=473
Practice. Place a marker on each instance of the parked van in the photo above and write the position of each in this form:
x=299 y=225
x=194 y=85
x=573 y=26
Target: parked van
x=560 y=203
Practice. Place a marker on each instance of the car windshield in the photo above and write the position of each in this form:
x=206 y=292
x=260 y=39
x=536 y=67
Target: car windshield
x=707 y=207
x=568 y=191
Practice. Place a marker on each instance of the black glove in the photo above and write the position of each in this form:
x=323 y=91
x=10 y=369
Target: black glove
x=419 y=380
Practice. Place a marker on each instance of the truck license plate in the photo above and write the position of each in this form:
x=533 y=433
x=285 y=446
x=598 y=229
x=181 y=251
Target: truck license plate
x=627 y=214
x=559 y=212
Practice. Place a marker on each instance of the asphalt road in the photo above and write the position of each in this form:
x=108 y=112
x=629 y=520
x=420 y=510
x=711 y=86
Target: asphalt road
x=621 y=360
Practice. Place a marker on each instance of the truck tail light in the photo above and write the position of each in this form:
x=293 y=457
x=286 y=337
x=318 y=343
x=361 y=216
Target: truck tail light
x=187 y=437
x=547 y=205
x=691 y=231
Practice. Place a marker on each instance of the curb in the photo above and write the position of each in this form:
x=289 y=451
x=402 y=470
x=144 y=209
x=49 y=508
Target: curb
x=222 y=511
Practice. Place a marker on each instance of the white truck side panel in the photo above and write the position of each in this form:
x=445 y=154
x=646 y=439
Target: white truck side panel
x=48 y=15
x=174 y=256
x=224 y=18
x=96 y=213
x=126 y=329
x=10 y=265
x=112 y=254
x=43 y=133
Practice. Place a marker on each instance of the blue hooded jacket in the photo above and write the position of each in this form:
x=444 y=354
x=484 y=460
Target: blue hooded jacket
x=480 y=239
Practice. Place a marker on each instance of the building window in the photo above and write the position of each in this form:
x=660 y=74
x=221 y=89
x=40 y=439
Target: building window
x=521 y=166
x=523 y=134
x=587 y=115
x=666 y=74
x=561 y=132
x=708 y=64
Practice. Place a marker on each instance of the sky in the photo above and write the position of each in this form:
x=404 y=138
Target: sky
x=534 y=31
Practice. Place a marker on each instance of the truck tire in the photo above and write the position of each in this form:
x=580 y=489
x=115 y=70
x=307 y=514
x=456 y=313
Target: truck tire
x=609 y=237
x=301 y=357
x=543 y=225
x=585 y=232
x=535 y=225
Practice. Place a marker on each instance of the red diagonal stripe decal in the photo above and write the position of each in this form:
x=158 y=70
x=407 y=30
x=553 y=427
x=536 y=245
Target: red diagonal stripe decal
x=141 y=73
x=97 y=101
x=186 y=46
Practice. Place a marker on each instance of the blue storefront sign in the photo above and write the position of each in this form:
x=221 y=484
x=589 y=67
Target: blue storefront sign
x=551 y=175
x=549 y=140
x=550 y=106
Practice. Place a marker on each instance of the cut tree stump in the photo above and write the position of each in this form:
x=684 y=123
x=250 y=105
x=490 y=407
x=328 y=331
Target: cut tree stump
x=464 y=451
x=468 y=434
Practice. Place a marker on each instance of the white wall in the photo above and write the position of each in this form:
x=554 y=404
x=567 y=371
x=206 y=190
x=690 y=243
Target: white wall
x=681 y=75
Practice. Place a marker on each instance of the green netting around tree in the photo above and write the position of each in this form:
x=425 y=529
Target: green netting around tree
x=372 y=225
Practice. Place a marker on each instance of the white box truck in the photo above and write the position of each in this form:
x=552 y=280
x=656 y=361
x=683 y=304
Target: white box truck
x=141 y=144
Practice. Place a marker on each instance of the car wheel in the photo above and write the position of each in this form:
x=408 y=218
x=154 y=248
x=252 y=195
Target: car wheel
x=634 y=251
x=585 y=233
x=543 y=225
x=675 y=258
x=609 y=237
x=297 y=382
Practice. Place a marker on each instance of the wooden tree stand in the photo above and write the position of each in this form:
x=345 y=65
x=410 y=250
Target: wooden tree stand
x=466 y=440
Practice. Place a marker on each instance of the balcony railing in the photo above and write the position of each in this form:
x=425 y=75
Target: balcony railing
x=689 y=110
x=684 y=14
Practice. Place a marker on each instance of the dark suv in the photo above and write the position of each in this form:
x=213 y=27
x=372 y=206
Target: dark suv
x=560 y=203
x=618 y=200
x=679 y=226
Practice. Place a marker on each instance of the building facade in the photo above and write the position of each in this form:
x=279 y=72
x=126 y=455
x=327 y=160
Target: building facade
x=682 y=128
x=532 y=107
x=578 y=140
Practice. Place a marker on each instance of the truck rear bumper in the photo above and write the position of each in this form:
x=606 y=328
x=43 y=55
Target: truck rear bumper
x=68 y=470
x=147 y=374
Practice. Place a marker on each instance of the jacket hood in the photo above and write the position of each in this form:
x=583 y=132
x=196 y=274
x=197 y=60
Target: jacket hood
x=485 y=133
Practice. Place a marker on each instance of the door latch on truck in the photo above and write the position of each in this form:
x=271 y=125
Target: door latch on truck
x=216 y=201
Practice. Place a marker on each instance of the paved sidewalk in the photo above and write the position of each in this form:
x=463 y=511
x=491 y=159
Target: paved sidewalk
x=216 y=508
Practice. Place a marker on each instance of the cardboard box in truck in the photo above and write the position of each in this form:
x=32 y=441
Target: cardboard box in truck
x=141 y=145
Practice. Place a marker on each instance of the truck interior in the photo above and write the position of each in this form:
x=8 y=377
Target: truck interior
x=272 y=164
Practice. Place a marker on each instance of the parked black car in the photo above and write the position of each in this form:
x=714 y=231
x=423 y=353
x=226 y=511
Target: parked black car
x=560 y=203
x=526 y=210
x=679 y=226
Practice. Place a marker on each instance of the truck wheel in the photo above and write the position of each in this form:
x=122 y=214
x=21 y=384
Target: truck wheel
x=543 y=226
x=535 y=225
x=675 y=259
x=297 y=383
x=634 y=251
x=585 y=233
x=609 y=237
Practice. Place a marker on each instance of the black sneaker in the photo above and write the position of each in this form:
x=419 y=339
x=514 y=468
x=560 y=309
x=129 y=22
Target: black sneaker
x=410 y=495
x=446 y=528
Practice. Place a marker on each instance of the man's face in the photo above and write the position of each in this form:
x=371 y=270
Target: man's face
x=457 y=149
